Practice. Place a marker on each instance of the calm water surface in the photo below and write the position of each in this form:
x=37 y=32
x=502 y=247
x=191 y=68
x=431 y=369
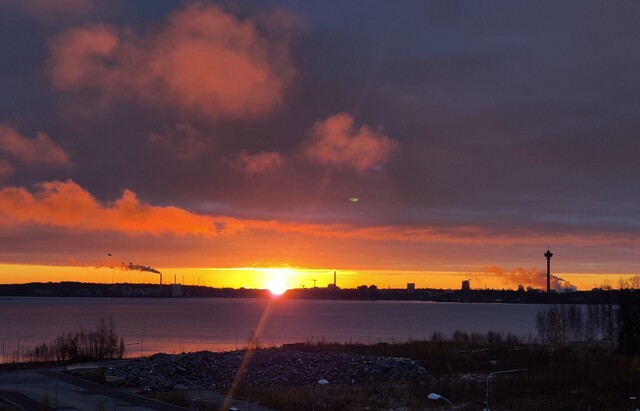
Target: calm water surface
x=174 y=325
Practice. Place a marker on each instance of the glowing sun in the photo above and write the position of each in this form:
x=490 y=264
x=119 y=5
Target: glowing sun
x=277 y=286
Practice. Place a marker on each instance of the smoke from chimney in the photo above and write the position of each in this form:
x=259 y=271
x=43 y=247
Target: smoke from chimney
x=112 y=263
x=529 y=277
x=137 y=267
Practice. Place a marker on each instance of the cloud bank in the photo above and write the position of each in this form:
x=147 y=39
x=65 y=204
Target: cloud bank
x=201 y=62
x=232 y=114
x=66 y=204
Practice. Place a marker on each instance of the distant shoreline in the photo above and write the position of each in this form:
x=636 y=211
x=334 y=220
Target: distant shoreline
x=145 y=290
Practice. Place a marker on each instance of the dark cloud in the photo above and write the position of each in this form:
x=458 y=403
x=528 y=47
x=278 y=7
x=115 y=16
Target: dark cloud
x=259 y=163
x=500 y=119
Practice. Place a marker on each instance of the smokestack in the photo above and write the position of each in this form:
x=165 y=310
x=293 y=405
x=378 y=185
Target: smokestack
x=548 y=254
x=334 y=279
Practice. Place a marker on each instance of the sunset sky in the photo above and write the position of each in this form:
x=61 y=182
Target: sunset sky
x=233 y=143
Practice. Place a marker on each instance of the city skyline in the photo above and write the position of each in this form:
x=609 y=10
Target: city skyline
x=242 y=143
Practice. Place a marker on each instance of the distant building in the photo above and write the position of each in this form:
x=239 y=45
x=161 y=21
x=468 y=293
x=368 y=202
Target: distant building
x=333 y=286
x=411 y=287
x=176 y=290
x=466 y=285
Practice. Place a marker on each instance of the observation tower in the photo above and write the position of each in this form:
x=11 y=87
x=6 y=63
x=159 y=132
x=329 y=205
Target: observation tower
x=548 y=254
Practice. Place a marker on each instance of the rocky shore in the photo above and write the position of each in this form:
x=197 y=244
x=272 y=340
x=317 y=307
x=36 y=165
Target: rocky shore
x=265 y=367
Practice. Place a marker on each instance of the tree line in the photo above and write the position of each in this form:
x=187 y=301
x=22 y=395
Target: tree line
x=561 y=324
x=99 y=343
x=616 y=321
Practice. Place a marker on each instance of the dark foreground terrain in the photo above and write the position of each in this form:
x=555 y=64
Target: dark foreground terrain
x=581 y=376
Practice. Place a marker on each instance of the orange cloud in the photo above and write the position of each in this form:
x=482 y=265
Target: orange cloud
x=203 y=62
x=66 y=204
x=39 y=151
x=79 y=57
x=259 y=163
x=337 y=142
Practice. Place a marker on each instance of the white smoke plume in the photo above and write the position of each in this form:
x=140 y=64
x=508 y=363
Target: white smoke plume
x=533 y=277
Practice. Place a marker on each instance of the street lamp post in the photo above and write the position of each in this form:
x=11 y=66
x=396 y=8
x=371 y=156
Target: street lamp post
x=486 y=403
x=135 y=343
x=633 y=403
x=3 y=357
x=434 y=396
x=22 y=336
x=313 y=393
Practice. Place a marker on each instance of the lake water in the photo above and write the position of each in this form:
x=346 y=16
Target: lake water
x=175 y=325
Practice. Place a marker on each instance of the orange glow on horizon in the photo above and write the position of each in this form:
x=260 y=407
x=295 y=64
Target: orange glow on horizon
x=282 y=278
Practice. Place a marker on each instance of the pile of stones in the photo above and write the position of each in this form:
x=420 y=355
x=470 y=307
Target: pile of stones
x=266 y=367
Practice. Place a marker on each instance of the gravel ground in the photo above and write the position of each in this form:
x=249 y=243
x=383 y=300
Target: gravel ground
x=267 y=367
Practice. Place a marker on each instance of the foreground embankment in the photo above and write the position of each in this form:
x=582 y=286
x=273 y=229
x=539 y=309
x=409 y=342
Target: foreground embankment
x=396 y=376
x=264 y=367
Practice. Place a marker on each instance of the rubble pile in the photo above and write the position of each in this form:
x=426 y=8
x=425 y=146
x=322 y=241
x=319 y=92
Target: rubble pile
x=267 y=367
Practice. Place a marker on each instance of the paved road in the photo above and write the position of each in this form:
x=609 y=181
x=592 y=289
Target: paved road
x=20 y=401
x=30 y=389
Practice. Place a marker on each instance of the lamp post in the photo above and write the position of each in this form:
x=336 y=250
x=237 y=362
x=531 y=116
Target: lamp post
x=434 y=396
x=135 y=343
x=486 y=402
x=633 y=403
x=3 y=357
x=313 y=393
x=22 y=336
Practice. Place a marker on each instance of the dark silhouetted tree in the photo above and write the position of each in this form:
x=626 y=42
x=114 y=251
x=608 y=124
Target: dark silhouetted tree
x=629 y=328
